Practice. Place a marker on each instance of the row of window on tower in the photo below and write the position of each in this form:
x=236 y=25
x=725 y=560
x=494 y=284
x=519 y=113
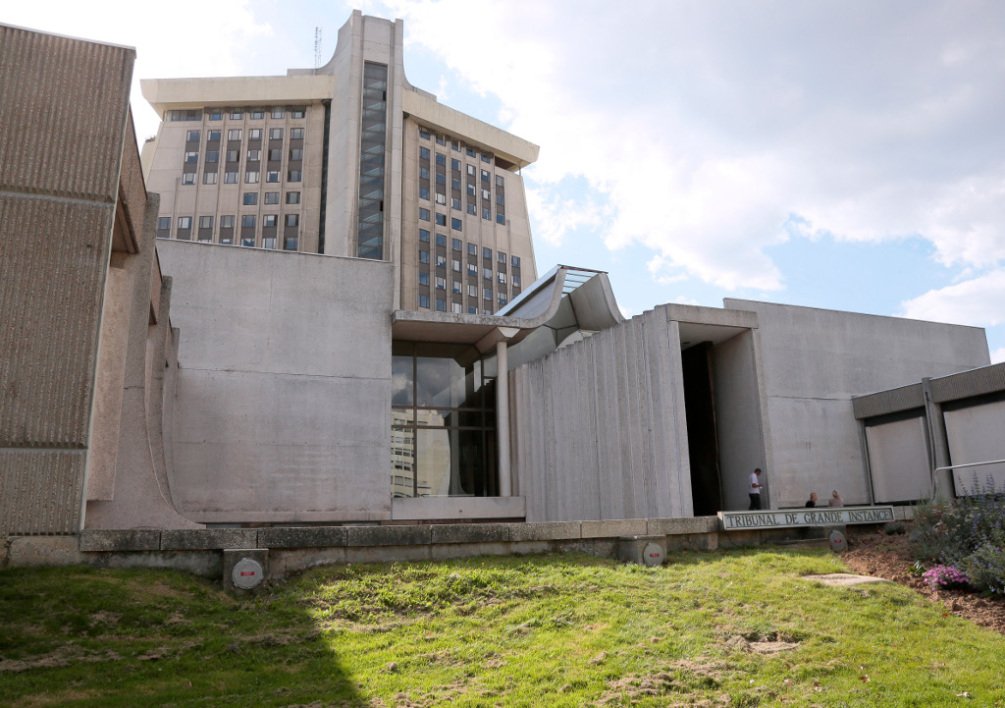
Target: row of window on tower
x=277 y=230
x=255 y=113
x=265 y=154
x=459 y=282
x=464 y=186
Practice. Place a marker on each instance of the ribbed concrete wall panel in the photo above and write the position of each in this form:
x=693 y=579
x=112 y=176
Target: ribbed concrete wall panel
x=600 y=427
x=40 y=491
x=52 y=268
x=71 y=98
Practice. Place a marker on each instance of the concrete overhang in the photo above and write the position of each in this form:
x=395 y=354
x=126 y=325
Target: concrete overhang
x=709 y=324
x=973 y=383
x=165 y=94
x=503 y=145
x=563 y=301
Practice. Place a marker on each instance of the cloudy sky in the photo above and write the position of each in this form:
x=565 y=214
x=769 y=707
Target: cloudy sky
x=847 y=155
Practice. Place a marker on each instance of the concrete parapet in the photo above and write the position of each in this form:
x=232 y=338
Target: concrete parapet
x=471 y=533
x=129 y=540
x=668 y=527
x=388 y=554
x=613 y=528
x=207 y=539
x=43 y=550
x=446 y=551
x=282 y=562
x=205 y=564
x=388 y=535
x=302 y=537
x=546 y=531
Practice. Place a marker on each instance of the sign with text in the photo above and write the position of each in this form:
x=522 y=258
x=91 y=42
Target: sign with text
x=787 y=518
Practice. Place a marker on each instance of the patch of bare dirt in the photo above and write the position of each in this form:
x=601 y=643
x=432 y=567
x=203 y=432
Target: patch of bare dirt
x=889 y=556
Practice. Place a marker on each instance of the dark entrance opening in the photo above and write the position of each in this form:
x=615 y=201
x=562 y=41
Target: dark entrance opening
x=702 y=441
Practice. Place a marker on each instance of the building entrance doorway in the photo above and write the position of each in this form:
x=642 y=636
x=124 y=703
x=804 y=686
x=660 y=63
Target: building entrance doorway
x=702 y=437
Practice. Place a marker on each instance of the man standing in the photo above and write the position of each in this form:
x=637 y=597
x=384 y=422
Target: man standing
x=755 y=489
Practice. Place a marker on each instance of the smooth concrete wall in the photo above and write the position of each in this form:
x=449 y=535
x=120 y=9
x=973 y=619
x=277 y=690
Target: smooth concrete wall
x=599 y=426
x=739 y=425
x=282 y=406
x=898 y=460
x=813 y=361
x=975 y=435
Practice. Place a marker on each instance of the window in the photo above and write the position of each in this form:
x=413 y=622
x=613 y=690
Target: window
x=297 y=112
x=455 y=244
x=424 y=301
x=248 y=241
x=255 y=134
x=472 y=291
x=441 y=240
x=293 y=197
x=163 y=226
x=441 y=283
x=515 y=261
x=296 y=154
x=234 y=134
x=272 y=197
x=471 y=169
x=440 y=140
x=275 y=155
x=423 y=277
x=268 y=242
x=293 y=220
x=230 y=178
x=227 y=221
x=501 y=257
x=455 y=224
x=296 y=133
x=472 y=249
x=486 y=194
x=269 y=221
x=213 y=136
x=272 y=176
x=501 y=277
x=516 y=281
x=423 y=173
x=487 y=213
x=216 y=114
x=485 y=176
x=191 y=136
x=209 y=178
x=441 y=159
x=184 y=222
x=487 y=273
x=455 y=287
x=236 y=114
x=424 y=235
x=278 y=112
x=487 y=253
x=254 y=155
x=275 y=133
x=257 y=115
x=293 y=175
x=441 y=198
x=212 y=156
x=487 y=293
x=248 y=221
x=455 y=203
x=249 y=198
x=423 y=133
x=471 y=152
x=441 y=261
x=424 y=214
x=188 y=178
x=472 y=209
x=423 y=256
x=205 y=223
x=486 y=157
x=471 y=189
x=251 y=177
x=290 y=242
x=424 y=193
x=501 y=219
x=502 y=299
x=455 y=265
x=424 y=153
x=472 y=269
x=456 y=308
x=441 y=304
x=191 y=158
x=233 y=155
x=441 y=219
x=455 y=165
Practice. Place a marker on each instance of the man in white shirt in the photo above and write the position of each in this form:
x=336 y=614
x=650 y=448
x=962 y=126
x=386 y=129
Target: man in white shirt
x=755 y=489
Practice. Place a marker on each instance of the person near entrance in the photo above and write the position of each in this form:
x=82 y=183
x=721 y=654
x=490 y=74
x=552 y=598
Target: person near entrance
x=812 y=501
x=755 y=489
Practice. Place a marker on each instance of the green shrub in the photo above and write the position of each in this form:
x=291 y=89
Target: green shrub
x=968 y=534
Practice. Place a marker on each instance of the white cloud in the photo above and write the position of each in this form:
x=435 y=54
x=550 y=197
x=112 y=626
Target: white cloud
x=998 y=356
x=705 y=126
x=979 y=301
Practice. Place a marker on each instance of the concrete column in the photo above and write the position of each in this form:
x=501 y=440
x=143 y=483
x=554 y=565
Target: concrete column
x=502 y=418
x=942 y=479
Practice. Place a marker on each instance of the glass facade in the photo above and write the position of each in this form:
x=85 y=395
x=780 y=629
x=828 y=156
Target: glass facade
x=443 y=438
x=370 y=228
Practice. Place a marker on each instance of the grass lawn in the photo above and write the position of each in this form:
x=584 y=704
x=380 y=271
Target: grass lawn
x=735 y=628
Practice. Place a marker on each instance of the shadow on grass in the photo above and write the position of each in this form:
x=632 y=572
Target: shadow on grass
x=125 y=637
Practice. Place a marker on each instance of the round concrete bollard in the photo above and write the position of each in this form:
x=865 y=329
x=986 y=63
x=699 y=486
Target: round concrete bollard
x=837 y=541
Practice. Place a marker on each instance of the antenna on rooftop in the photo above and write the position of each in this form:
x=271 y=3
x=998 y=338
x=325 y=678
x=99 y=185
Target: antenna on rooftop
x=317 y=48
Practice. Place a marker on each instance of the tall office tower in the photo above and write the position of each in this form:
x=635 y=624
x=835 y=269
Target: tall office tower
x=349 y=160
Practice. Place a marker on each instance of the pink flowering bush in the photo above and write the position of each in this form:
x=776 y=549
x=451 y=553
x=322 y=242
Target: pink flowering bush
x=945 y=576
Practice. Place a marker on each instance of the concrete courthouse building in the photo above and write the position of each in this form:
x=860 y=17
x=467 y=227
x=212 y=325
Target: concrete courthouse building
x=381 y=351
